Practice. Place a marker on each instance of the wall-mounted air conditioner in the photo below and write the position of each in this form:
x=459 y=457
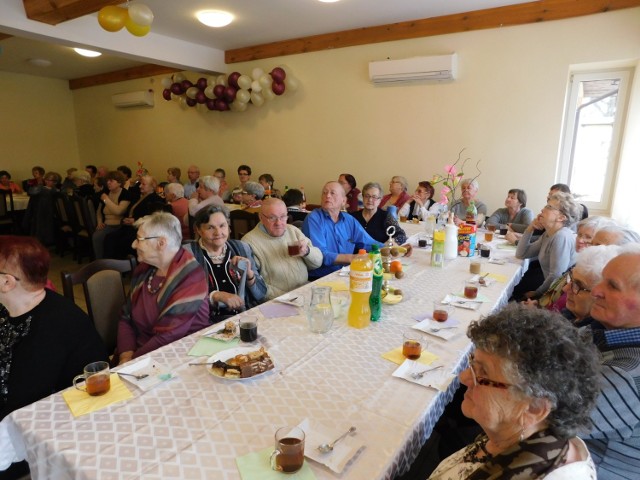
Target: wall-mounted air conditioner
x=441 y=67
x=133 y=99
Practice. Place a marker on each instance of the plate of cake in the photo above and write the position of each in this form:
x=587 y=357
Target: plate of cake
x=240 y=363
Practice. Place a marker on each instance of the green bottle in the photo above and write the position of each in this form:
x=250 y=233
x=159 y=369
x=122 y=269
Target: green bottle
x=375 y=299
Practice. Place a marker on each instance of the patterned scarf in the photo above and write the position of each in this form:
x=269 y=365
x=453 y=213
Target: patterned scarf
x=534 y=457
x=11 y=332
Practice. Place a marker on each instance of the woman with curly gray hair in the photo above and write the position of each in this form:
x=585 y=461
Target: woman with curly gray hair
x=531 y=385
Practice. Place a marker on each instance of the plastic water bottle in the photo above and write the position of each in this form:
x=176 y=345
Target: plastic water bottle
x=450 y=239
x=393 y=210
x=375 y=300
x=360 y=285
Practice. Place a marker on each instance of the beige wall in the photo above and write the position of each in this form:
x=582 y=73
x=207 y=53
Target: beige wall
x=505 y=109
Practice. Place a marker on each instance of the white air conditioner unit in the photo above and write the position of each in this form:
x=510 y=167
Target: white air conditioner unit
x=441 y=67
x=133 y=99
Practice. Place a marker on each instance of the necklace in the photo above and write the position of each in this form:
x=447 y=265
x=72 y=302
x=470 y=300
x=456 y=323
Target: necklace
x=150 y=289
x=215 y=258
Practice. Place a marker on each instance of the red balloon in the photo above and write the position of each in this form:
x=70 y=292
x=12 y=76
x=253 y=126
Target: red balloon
x=278 y=88
x=233 y=79
x=201 y=97
x=218 y=90
x=191 y=102
x=278 y=74
x=211 y=104
x=201 y=83
x=176 y=89
x=186 y=85
x=230 y=94
x=166 y=94
x=221 y=105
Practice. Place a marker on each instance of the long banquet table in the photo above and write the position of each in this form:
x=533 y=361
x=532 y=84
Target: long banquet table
x=195 y=426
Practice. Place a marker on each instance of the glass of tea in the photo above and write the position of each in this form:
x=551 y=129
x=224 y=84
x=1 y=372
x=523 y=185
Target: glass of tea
x=492 y=228
x=441 y=311
x=470 y=290
x=488 y=236
x=412 y=344
x=97 y=379
x=249 y=328
x=293 y=249
x=288 y=456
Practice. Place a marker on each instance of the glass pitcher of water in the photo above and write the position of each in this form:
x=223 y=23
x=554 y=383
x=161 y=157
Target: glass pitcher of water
x=320 y=311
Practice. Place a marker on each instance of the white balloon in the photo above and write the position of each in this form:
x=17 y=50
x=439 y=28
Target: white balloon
x=140 y=14
x=256 y=73
x=292 y=83
x=222 y=80
x=244 y=81
x=209 y=92
x=183 y=102
x=192 y=92
x=211 y=81
x=265 y=80
x=238 y=106
x=257 y=99
x=268 y=94
x=166 y=82
x=243 y=96
x=178 y=77
x=255 y=86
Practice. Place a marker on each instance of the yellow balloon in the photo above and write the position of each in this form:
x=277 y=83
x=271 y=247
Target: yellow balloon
x=135 y=29
x=112 y=18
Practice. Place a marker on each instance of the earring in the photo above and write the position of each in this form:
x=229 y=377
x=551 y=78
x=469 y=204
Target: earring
x=521 y=429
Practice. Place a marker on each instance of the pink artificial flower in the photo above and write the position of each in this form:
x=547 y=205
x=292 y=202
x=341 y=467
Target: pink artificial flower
x=443 y=199
x=444 y=190
x=450 y=169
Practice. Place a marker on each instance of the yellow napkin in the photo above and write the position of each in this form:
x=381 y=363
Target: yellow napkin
x=256 y=466
x=395 y=356
x=81 y=403
x=498 y=277
x=336 y=286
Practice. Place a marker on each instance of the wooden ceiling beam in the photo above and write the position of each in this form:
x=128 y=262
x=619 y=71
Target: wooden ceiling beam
x=519 y=14
x=4 y=36
x=132 y=73
x=54 y=12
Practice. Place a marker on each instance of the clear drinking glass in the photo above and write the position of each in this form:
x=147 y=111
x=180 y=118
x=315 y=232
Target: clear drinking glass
x=320 y=311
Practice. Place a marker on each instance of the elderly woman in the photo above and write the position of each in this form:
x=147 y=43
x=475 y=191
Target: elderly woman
x=354 y=197
x=375 y=220
x=174 y=195
x=82 y=184
x=234 y=282
x=421 y=202
x=529 y=408
x=469 y=190
x=514 y=212
x=586 y=274
x=111 y=211
x=7 y=184
x=168 y=297
x=613 y=234
x=397 y=195
x=173 y=175
x=555 y=248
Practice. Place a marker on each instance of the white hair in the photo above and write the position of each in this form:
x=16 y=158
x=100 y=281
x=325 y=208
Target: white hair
x=210 y=183
x=176 y=188
x=591 y=261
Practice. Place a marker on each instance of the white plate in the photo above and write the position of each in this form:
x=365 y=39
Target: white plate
x=228 y=354
x=157 y=374
x=224 y=337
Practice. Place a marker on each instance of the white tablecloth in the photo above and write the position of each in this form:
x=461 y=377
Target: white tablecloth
x=195 y=426
x=20 y=201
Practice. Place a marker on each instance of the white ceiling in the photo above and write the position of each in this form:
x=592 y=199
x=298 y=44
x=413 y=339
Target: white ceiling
x=177 y=39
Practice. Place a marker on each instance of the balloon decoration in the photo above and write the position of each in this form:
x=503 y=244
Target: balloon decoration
x=137 y=19
x=233 y=92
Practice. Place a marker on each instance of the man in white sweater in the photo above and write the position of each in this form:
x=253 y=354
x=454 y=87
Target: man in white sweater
x=270 y=241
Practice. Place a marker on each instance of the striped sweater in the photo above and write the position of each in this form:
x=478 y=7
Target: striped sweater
x=614 y=441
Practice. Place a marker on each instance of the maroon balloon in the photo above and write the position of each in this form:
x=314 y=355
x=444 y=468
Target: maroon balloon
x=218 y=90
x=278 y=88
x=186 y=84
x=201 y=83
x=176 y=89
x=278 y=74
x=201 y=97
x=211 y=104
x=191 y=102
x=230 y=94
x=233 y=79
x=166 y=94
x=221 y=105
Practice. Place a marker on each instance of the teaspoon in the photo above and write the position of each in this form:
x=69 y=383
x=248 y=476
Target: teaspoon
x=328 y=447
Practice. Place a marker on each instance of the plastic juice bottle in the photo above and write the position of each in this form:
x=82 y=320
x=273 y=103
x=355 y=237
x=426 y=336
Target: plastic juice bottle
x=437 y=249
x=360 y=284
x=375 y=300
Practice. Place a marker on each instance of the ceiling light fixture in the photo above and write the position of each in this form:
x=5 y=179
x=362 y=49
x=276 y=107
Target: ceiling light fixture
x=39 y=62
x=87 y=53
x=214 y=18
x=328 y=1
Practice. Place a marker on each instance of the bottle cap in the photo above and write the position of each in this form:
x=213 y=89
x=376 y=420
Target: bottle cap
x=362 y=251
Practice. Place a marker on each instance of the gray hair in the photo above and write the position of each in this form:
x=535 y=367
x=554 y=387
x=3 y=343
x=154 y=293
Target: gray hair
x=254 y=188
x=596 y=223
x=591 y=261
x=470 y=181
x=176 y=188
x=533 y=342
x=162 y=224
x=625 y=235
x=211 y=183
x=402 y=180
x=370 y=185
x=567 y=206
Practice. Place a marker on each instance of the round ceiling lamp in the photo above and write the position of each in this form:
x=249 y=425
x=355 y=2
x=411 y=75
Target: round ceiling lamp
x=39 y=62
x=214 y=18
x=87 y=53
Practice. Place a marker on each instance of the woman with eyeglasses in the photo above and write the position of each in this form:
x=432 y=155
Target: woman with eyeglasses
x=421 y=202
x=168 y=296
x=531 y=383
x=375 y=220
x=233 y=279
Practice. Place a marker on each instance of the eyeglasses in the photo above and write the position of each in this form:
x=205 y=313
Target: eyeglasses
x=551 y=207
x=274 y=219
x=576 y=288
x=11 y=275
x=587 y=239
x=371 y=197
x=483 y=381
x=142 y=239
x=243 y=174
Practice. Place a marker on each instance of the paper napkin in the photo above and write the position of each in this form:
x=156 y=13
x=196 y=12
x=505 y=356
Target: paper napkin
x=395 y=356
x=257 y=466
x=317 y=433
x=81 y=403
x=438 y=379
x=278 y=310
x=206 y=346
x=445 y=330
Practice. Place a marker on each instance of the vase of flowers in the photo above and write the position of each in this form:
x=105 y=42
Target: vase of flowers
x=449 y=193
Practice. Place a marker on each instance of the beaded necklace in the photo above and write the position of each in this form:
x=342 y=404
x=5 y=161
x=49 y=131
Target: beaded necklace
x=215 y=258
x=150 y=289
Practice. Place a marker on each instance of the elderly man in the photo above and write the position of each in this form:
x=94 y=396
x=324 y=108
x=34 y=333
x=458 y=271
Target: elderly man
x=468 y=189
x=193 y=173
x=335 y=233
x=614 y=440
x=206 y=194
x=270 y=239
x=252 y=195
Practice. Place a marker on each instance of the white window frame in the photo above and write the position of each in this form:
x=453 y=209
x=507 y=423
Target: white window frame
x=567 y=140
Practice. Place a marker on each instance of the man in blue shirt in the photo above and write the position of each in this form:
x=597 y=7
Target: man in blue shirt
x=334 y=232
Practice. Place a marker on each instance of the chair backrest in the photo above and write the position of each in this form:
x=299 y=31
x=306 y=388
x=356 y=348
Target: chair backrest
x=6 y=208
x=104 y=294
x=82 y=208
x=64 y=211
x=242 y=222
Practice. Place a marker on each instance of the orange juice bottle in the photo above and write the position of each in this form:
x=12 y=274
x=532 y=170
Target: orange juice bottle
x=360 y=284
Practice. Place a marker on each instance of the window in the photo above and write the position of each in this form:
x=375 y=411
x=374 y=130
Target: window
x=594 y=121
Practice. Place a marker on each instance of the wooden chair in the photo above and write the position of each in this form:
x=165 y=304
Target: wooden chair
x=7 y=221
x=104 y=294
x=242 y=222
x=66 y=223
x=85 y=216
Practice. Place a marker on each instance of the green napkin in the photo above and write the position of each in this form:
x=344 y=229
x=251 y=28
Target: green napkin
x=256 y=466
x=210 y=346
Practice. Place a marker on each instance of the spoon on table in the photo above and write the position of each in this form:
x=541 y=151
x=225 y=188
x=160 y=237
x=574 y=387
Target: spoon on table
x=328 y=447
x=137 y=377
x=482 y=280
x=419 y=375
